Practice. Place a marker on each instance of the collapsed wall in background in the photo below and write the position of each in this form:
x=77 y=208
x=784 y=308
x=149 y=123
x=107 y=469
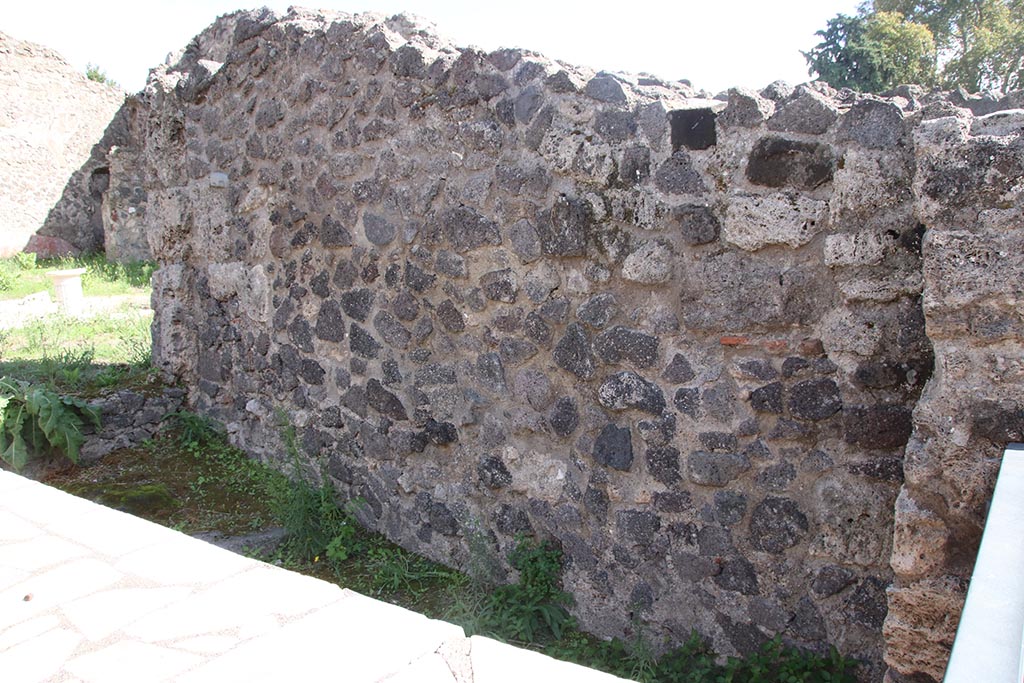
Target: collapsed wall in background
x=52 y=150
x=684 y=337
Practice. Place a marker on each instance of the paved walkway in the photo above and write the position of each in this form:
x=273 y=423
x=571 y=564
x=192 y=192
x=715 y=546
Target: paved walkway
x=92 y=594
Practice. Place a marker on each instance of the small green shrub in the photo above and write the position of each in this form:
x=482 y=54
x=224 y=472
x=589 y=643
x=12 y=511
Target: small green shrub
x=534 y=608
x=311 y=517
x=7 y=280
x=195 y=431
x=35 y=420
x=695 y=662
x=394 y=569
x=94 y=73
x=26 y=260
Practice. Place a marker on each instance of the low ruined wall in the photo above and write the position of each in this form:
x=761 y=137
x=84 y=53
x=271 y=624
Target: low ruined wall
x=128 y=418
x=497 y=294
x=51 y=119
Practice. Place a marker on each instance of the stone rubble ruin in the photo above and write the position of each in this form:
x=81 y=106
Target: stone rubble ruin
x=751 y=360
x=52 y=151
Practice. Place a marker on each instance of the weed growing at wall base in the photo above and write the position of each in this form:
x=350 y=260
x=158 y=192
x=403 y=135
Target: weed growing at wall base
x=35 y=420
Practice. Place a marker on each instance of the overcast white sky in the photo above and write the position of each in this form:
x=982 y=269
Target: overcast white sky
x=715 y=44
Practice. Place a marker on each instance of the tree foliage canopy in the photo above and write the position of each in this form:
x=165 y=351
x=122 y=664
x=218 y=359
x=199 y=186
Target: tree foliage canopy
x=974 y=44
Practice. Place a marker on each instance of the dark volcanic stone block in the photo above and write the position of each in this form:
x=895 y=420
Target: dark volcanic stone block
x=614 y=447
x=493 y=473
x=623 y=344
x=663 y=464
x=677 y=176
x=692 y=128
x=390 y=330
x=605 y=88
x=737 y=575
x=778 y=162
x=635 y=166
x=357 y=303
x=831 y=579
x=564 y=229
x=451 y=264
x=815 y=399
x=440 y=433
x=722 y=442
x=330 y=326
x=378 y=229
x=334 y=234
x=537 y=330
x=466 y=229
x=572 y=352
x=730 y=507
x=715 y=469
x=873 y=124
x=598 y=310
x=615 y=125
x=999 y=422
x=442 y=520
x=777 y=524
x=511 y=520
x=362 y=343
x=405 y=306
x=877 y=426
x=564 y=416
x=767 y=399
x=867 y=604
x=450 y=317
x=301 y=334
x=638 y=526
x=311 y=372
x=679 y=370
x=687 y=401
x=516 y=351
x=417 y=279
x=384 y=402
x=630 y=390
x=697 y=224
x=500 y=285
x=490 y=371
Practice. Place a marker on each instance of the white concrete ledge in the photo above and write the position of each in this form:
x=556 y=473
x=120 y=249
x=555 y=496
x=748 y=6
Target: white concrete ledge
x=90 y=594
x=989 y=637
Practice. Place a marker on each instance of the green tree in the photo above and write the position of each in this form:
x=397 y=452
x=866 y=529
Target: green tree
x=988 y=54
x=979 y=44
x=873 y=52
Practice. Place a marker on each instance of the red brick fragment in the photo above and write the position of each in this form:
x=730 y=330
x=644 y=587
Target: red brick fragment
x=730 y=340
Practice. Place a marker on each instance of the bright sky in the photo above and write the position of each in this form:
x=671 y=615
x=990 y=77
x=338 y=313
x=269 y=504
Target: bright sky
x=715 y=44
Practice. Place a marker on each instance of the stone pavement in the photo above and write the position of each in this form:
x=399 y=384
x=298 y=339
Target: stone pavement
x=92 y=594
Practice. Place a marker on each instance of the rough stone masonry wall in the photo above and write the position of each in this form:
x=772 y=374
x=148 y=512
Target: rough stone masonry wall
x=497 y=294
x=51 y=119
x=970 y=186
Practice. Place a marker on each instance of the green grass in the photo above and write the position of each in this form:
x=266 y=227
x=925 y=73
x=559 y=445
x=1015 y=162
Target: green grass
x=118 y=336
x=21 y=275
x=83 y=354
x=191 y=479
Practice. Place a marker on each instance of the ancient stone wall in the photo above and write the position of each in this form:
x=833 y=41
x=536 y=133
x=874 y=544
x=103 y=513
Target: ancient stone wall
x=51 y=121
x=497 y=294
x=969 y=185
